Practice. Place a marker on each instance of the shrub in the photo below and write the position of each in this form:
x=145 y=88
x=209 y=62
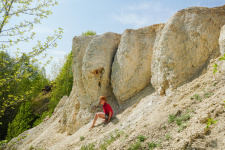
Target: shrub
x=89 y=146
x=89 y=32
x=180 y=120
x=135 y=146
x=208 y=94
x=141 y=138
x=167 y=136
x=82 y=138
x=152 y=145
x=196 y=97
x=171 y=118
x=210 y=122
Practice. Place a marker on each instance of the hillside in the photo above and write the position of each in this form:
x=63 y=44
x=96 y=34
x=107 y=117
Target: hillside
x=159 y=80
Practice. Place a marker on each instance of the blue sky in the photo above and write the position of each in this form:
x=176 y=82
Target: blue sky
x=77 y=16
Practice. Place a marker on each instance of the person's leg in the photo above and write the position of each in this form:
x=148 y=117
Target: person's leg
x=100 y=115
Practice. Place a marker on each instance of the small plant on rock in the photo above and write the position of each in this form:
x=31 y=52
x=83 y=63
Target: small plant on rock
x=89 y=32
x=210 y=122
x=172 y=118
x=135 y=146
x=196 y=97
x=152 y=145
x=82 y=138
x=168 y=136
x=208 y=94
x=89 y=146
x=141 y=138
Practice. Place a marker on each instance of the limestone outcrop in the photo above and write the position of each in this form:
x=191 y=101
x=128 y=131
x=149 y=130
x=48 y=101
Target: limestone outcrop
x=93 y=57
x=188 y=41
x=222 y=40
x=131 y=70
x=96 y=68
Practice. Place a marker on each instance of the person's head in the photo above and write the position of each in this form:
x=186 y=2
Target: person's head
x=102 y=100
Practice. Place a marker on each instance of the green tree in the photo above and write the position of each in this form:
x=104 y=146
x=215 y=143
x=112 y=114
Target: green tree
x=17 y=19
x=61 y=86
x=21 y=122
x=63 y=83
x=27 y=88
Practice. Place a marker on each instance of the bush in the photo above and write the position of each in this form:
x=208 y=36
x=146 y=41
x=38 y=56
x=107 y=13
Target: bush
x=135 y=146
x=141 y=138
x=89 y=32
x=82 y=138
x=152 y=145
x=89 y=146
x=172 y=118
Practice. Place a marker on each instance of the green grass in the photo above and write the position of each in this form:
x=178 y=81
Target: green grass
x=210 y=122
x=135 y=146
x=152 y=145
x=82 y=138
x=172 y=118
x=108 y=141
x=168 y=137
x=180 y=120
x=31 y=147
x=196 y=97
x=207 y=95
x=89 y=146
x=141 y=138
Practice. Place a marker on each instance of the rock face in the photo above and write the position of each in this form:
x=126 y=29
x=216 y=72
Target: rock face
x=119 y=67
x=222 y=40
x=93 y=57
x=131 y=70
x=96 y=68
x=70 y=119
x=188 y=41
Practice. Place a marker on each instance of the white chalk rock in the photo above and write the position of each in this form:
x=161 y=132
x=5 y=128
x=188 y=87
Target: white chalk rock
x=131 y=70
x=189 y=40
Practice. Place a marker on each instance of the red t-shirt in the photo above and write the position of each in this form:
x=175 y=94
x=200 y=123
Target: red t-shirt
x=107 y=108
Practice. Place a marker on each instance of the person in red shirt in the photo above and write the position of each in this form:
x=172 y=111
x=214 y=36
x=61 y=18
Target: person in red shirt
x=107 y=114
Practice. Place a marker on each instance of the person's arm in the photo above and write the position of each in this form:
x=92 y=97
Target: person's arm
x=110 y=115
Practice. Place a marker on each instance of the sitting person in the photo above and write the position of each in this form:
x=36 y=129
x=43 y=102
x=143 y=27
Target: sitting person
x=107 y=114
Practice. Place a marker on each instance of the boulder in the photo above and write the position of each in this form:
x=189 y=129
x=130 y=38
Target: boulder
x=96 y=68
x=222 y=40
x=188 y=41
x=131 y=70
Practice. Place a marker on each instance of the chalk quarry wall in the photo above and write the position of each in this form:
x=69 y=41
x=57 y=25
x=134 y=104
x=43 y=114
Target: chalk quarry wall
x=119 y=66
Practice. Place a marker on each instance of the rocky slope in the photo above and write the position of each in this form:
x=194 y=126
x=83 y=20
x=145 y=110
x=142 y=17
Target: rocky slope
x=159 y=81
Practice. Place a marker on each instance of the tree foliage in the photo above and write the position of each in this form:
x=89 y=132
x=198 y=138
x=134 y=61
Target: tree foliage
x=61 y=86
x=14 y=92
x=21 y=123
x=17 y=19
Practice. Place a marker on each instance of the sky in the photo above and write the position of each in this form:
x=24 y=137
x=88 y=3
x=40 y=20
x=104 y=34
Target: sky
x=77 y=16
